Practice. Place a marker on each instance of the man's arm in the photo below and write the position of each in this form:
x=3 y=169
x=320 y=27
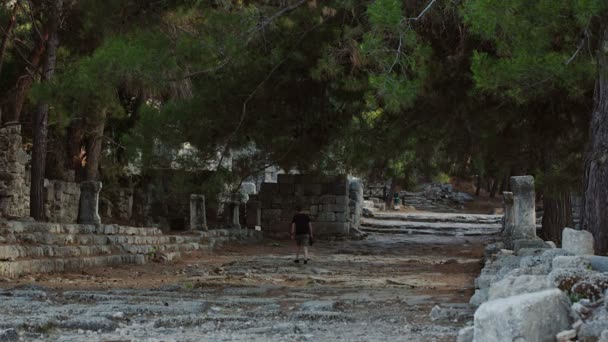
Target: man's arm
x=310 y=228
x=293 y=230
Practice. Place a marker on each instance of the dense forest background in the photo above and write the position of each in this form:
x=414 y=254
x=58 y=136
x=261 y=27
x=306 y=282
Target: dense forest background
x=119 y=90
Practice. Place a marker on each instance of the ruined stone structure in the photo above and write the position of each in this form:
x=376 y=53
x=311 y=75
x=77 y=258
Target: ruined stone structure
x=14 y=179
x=61 y=201
x=524 y=207
x=326 y=199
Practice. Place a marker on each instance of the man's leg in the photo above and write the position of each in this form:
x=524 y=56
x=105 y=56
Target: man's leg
x=297 y=252
x=305 y=253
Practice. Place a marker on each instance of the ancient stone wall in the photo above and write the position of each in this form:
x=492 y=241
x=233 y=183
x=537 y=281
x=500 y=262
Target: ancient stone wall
x=14 y=185
x=326 y=199
x=61 y=201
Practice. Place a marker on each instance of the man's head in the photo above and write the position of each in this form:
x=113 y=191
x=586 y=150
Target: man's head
x=298 y=208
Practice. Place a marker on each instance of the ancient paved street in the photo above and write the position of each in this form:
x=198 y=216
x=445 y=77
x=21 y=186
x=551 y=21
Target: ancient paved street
x=382 y=288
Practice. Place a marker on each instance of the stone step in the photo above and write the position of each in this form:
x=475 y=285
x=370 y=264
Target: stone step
x=17 y=252
x=430 y=231
x=97 y=239
x=7 y=227
x=439 y=217
x=17 y=268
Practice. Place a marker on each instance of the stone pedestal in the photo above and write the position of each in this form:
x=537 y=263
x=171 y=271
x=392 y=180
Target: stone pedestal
x=254 y=214
x=198 y=216
x=524 y=207
x=89 y=203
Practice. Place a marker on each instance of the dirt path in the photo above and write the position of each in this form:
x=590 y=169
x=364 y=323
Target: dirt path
x=378 y=289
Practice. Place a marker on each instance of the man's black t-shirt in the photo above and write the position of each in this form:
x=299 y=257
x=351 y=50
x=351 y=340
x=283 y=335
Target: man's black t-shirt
x=301 y=221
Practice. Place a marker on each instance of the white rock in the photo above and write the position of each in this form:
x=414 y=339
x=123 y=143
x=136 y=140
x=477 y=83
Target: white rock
x=577 y=242
x=523 y=318
x=466 y=334
x=566 y=335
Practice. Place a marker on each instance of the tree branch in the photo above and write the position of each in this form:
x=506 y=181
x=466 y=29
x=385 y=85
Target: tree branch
x=426 y=9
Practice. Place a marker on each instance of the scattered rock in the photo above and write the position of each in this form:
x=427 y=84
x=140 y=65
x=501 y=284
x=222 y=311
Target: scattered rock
x=566 y=335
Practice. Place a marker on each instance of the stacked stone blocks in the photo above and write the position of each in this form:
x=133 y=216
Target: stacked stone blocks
x=14 y=185
x=325 y=199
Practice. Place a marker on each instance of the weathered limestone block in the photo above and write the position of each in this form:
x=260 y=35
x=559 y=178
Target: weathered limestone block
x=528 y=243
x=523 y=318
x=577 y=242
x=599 y=264
x=524 y=207
x=198 y=215
x=89 y=203
x=516 y=285
x=466 y=334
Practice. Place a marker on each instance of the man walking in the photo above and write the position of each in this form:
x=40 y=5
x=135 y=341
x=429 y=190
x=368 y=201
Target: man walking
x=301 y=231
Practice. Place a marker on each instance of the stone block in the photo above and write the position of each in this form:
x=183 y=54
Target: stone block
x=330 y=228
x=327 y=199
x=325 y=216
x=286 y=188
x=285 y=179
x=577 y=261
x=516 y=285
x=271 y=215
x=342 y=200
x=523 y=318
x=270 y=188
x=577 y=242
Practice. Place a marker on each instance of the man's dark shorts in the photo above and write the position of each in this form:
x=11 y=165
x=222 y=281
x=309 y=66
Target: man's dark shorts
x=302 y=240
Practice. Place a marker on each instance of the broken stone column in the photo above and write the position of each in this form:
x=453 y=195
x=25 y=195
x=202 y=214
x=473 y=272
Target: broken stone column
x=524 y=208
x=254 y=214
x=507 y=223
x=577 y=242
x=89 y=203
x=198 y=216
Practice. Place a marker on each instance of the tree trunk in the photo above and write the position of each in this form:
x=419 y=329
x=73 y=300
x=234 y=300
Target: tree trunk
x=595 y=186
x=557 y=214
x=40 y=118
x=7 y=33
x=93 y=146
x=15 y=98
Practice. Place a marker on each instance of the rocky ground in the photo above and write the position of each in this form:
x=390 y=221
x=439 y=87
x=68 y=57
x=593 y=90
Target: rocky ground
x=382 y=288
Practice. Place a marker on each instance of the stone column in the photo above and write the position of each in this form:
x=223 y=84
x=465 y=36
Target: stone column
x=89 y=203
x=234 y=215
x=524 y=207
x=254 y=214
x=507 y=223
x=198 y=215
